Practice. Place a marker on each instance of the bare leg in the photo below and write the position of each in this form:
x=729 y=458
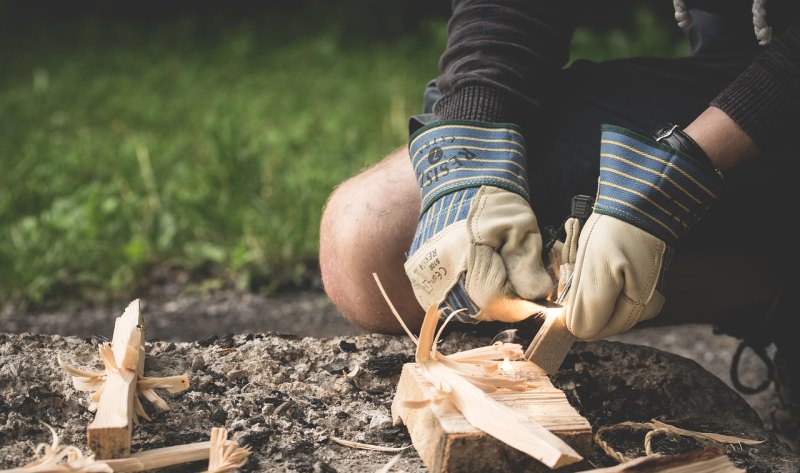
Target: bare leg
x=367 y=227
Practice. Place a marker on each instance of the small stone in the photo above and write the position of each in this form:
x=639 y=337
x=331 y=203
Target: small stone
x=72 y=340
x=225 y=342
x=207 y=341
x=280 y=410
x=198 y=363
x=387 y=365
x=17 y=402
x=13 y=369
x=336 y=367
x=236 y=375
x=238 y=425
x=322 y=467
x=219 y=417
x=378 y=420
x=348 y=347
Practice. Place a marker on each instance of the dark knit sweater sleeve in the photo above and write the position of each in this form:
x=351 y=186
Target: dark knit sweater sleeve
x=501 y=57
x=765 y=99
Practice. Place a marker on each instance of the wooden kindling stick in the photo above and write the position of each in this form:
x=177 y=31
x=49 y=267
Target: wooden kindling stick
x=114 y=392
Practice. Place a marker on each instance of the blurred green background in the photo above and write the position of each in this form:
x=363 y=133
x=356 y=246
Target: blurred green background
x=202 y=139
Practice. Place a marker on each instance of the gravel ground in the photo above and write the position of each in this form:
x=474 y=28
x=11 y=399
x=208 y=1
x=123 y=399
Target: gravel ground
x=175 y=315
x=230 y=385
x=286 y=396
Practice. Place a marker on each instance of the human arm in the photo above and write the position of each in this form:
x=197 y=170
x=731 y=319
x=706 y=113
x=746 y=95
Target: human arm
x=477 y=233
x=622 y=260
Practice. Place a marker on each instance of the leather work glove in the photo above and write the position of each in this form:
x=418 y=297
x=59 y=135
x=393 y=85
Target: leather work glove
x=649 y=194
x=477 y=240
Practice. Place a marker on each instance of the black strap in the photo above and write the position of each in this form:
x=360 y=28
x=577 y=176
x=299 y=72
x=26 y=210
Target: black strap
x=678 y=140
x=761 y=352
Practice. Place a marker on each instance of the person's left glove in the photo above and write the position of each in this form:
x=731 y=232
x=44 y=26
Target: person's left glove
x=477 y=240
x=649 y=195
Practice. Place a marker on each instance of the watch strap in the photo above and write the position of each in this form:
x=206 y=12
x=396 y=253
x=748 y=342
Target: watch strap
x=676 y=138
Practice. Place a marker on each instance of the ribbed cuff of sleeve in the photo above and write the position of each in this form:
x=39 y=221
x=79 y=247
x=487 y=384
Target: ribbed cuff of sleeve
x=475 y=102
x=766 y=96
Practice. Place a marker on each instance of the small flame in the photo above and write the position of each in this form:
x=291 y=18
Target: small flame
x=506 y=366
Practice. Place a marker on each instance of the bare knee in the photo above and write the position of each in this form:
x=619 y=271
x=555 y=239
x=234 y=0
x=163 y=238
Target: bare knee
x=366 y=228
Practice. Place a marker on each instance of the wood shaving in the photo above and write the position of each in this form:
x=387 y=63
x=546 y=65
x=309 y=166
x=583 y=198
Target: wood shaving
x=55 y=458
x=656 y=427
x=94 y=382
x=366 y=446
x=225 y=456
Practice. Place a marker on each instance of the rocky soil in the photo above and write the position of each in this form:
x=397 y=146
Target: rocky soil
x=285 y=395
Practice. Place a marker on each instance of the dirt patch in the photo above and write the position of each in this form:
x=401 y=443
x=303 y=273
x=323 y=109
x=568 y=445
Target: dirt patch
x=286 y=395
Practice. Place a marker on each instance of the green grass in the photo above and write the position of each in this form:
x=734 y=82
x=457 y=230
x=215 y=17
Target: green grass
x=209 y=149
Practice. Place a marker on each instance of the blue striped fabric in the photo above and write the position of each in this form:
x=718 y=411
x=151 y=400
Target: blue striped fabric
x=446 y=211
x=451 y=155
x=652 y=186
x=451 y=160
x=458 y=300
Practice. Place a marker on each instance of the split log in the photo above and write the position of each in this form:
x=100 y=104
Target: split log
x=447 y=442
x=109 y=435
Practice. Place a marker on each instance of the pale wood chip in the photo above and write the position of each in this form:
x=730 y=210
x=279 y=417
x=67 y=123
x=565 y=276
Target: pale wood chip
x=366 y=446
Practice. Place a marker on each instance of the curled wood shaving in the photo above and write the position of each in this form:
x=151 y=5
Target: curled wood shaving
x=94 y=382
x=494 y=352
x=352 y=374
x=655 y=428
x=366 y=446
x=83 y=380
x=225 y=456
x=394 y=311
x=55 y=458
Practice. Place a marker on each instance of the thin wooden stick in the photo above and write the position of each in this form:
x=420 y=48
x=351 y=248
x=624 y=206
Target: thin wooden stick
x=367 y=446
x=161 y=457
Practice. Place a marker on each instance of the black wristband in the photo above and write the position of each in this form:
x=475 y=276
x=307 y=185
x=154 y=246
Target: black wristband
x=678 y=140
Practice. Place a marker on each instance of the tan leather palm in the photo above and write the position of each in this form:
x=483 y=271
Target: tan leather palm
x=498 y=248
x=616 y=274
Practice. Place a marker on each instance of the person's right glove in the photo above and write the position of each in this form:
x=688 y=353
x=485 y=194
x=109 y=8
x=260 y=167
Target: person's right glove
x=648 y=196
x=477 y=245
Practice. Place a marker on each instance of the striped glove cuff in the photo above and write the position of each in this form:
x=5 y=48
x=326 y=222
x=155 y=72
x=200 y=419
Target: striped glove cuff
x=651 y=185
x=450 y=155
